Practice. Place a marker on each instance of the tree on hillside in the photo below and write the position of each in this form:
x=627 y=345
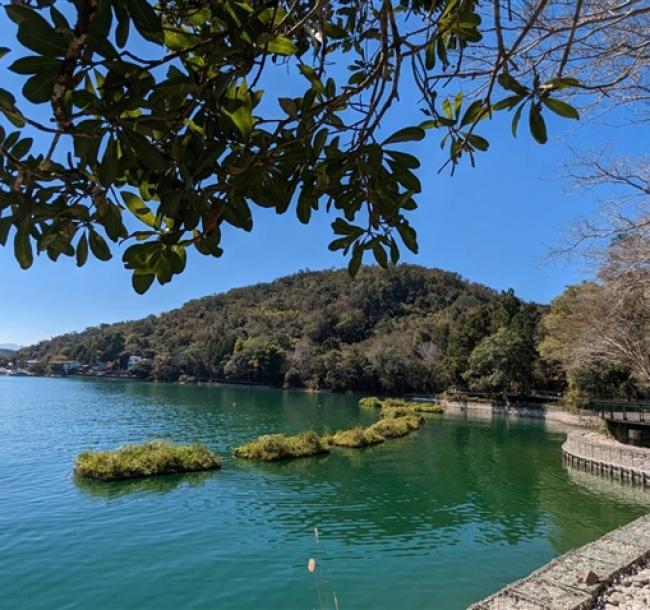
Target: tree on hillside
x=605 y=322
x=160 y=130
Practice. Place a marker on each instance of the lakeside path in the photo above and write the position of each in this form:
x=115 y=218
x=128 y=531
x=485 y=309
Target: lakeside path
x=575 y=580
x=612 y=572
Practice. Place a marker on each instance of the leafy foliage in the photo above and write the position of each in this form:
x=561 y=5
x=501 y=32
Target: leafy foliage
x=162 y=134
x=407 y=329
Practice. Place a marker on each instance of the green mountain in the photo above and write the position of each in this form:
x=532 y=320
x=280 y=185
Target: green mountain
x=406 y=329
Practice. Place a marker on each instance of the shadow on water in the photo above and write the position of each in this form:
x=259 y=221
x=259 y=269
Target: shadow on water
x=154 y=485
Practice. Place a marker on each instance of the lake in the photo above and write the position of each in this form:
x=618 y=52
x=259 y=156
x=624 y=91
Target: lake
x=436 y=520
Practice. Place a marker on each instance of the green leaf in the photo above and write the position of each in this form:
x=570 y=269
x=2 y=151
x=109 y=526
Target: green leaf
x=99 y=247
x=243 y=120
x=139 y=209
x=509 y=83
x=38 y=88
x=478 y=142
x=289 y=106
x=475 y=112
x=408 y=134
x=537 y=124
x=82 y=251
x=144 y=150
x=281 y=46
x=23 y=247
x=109 y=168
x=564 y=82
x=142 y=282
x=35 y=33
x=5 y=226
x=22 y=147
x=409 y=237
x=380 y=254
x=145 y=19
x=561 y=108
x=35 y=64
x=4 y=51
x=515 y=120
x=508 y=103
x=355 y=260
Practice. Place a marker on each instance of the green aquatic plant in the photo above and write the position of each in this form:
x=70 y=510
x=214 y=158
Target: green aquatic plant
x=387 y=411
x=397 y=407
x=426 y=407
x=356 y=437
x=370 y=402
x=155 y=457
x=393 y=427
x=274 y=447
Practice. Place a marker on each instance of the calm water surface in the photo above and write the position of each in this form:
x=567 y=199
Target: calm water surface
x=433 y=521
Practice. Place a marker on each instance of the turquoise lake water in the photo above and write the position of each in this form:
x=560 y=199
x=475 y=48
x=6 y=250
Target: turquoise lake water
x=436 y=520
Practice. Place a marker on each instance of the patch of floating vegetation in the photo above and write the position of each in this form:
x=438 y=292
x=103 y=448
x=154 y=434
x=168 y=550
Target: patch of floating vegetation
x=397 y=418
x=274 y=447
x=356 y=437
x=370 y=402
x=153 y=458
x=397 y=407
x=394 y=427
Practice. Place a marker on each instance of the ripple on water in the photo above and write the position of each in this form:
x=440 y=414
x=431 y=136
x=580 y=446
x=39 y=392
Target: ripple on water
x=450 y=513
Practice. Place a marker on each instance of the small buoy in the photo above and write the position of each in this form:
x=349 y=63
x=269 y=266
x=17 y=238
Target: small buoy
x=311 y=565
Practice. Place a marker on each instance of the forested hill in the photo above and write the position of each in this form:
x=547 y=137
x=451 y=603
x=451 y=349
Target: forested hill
x=406 y=329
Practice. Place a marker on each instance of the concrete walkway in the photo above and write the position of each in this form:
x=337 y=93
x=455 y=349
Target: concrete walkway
x=574 y=581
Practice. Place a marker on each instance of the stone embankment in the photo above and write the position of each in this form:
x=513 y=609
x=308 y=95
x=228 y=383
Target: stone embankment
x=601 y=454
x=628 y=592
x=584 y=578
x=538 y=411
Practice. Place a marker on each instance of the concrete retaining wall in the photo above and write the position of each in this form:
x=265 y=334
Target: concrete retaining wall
x=562 y=584
x=538 y=411
x=601 y=454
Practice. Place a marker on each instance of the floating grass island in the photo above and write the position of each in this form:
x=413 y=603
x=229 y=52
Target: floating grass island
x=397 y=418
x=396 y=407
x=356 y=437
x=274 y=447
x=153 y=458
x=394 y=427
x=370 y=402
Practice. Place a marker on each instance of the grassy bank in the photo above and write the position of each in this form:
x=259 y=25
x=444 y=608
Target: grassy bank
x=148 y=459
x=274 y=447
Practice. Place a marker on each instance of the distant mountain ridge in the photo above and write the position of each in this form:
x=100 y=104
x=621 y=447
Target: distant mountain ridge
x=9 y=347
x=405 y=329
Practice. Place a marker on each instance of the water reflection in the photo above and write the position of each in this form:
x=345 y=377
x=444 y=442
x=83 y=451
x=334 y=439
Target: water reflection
x=609 y=489
x=155 y=485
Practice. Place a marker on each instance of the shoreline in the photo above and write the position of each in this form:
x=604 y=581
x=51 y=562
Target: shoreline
x=575 y=580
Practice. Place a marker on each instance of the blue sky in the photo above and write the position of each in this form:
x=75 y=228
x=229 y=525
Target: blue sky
x=492 y=224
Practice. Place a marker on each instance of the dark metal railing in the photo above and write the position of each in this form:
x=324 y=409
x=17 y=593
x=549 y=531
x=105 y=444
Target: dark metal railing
x=626 y=411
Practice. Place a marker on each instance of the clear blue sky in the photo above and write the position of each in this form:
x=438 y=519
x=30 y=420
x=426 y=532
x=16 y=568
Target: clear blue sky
x=492 y=224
